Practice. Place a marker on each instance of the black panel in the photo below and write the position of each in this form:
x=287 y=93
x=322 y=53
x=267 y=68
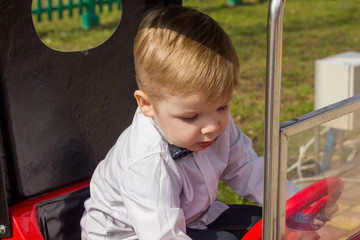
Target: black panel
x=4 y=214
x=4 y=184
x=59 y=218
x=61 y=112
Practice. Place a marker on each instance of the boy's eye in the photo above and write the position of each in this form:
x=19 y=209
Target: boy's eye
x=189 y=119
x=225 y=107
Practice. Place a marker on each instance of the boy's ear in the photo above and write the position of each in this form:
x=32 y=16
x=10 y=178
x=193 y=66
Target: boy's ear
x=144 y=103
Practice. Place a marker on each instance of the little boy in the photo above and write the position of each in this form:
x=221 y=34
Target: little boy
x=160 y=180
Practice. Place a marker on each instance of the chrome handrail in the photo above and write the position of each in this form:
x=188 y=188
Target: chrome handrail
x=274 y=174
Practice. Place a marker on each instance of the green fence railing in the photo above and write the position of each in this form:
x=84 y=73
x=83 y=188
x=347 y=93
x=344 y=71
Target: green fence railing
x=86 y=8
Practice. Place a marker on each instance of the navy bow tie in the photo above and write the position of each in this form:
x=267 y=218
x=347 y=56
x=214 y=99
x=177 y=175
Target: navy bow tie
x=178 y=152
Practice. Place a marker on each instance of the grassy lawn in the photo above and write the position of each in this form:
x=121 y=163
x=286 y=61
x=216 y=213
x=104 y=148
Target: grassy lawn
x=313 y=29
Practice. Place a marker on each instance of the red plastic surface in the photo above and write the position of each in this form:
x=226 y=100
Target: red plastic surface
x=303 y=207
x=307 y=203
x=24 y=215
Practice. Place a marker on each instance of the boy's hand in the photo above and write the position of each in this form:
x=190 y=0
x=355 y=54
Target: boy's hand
x=325 y=215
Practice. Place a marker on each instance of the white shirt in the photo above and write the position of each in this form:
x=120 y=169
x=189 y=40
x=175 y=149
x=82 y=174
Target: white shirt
x=139 y=192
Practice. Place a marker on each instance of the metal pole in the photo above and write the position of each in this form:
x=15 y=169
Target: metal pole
x=5 y=227
x=272 y=179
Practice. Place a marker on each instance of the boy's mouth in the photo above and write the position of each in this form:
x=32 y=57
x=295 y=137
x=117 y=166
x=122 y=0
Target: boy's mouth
x=206 y=144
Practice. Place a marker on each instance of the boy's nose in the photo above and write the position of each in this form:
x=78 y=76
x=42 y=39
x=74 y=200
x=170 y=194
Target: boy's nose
x=210 y=127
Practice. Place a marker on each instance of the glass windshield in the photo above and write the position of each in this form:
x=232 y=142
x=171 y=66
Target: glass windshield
x=325 y=160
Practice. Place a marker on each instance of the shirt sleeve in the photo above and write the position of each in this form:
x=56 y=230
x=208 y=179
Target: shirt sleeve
x=245 y=170
x=151 y=193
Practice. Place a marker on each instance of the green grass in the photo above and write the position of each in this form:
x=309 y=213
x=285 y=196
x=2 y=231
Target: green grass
x=313 y=29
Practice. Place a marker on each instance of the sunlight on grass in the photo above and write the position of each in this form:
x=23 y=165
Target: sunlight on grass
x=309 y=34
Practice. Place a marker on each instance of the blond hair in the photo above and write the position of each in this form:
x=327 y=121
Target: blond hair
x=184 y=51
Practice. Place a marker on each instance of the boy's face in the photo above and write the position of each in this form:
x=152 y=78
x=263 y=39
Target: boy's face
x=191 y=122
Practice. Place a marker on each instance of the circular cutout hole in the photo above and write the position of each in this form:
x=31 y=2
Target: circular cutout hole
x=75 y=25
